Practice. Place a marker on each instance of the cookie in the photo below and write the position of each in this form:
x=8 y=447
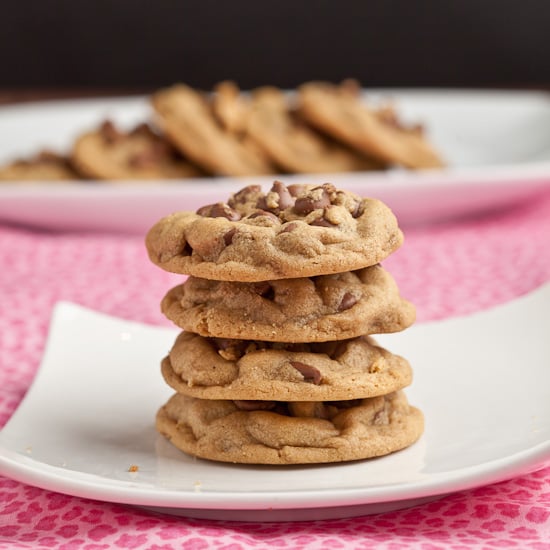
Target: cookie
x=270 y=432
x=140 y=154
x=230 y=108
x=294 y=231
x=187 y=119
x=293 y=146
x=45 y=166
x=305 y=309
x=214 y=368
x=343 y=115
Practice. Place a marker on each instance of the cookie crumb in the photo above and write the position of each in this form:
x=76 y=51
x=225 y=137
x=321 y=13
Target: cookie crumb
x=133 y=468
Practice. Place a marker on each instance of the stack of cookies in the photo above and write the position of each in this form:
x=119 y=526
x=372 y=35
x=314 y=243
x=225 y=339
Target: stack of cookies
x=275 y=363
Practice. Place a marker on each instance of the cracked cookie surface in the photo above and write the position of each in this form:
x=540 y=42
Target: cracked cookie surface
x=307 y=309
x=269 y=432
x=213 y=368
x=286 y=232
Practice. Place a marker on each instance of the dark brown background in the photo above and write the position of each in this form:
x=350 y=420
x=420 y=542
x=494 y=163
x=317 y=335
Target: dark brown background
x=141 y=45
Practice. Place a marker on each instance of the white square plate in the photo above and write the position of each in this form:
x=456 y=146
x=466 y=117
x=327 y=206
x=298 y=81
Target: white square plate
x=483 y=382
x=496 y=146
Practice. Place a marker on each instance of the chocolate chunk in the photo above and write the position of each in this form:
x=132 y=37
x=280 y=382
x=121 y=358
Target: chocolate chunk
x=314 y=200
x=228 y=237
x=109 y=132
x=264 y=213
x=289 y=227
x=244 y=195
x=219 y=210
x=285 y=198
x=264 y=289
x=277 y=199
x=297 y=189
x=309 y=372
x=348 y=301
x=322 y=222
x=251 y=405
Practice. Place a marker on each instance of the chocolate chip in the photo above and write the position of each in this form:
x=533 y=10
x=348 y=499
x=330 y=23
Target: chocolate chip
x=348 y=404
x=244 y=195
x=314 y=200
x=297 y=189
x=309 y=372
x=285 y=198
x=264 y=289
x=264 y=213
x=109 y=132
x=252 y=405
x=276 y=200
x=348 y=301
x=187 y=249
x=228 y=237
x=289 y=227
x=358 y=210
x=381 y=417
x=219 y=210
x=322 y=222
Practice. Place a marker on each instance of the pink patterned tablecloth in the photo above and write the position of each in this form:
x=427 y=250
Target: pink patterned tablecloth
x=447 y=269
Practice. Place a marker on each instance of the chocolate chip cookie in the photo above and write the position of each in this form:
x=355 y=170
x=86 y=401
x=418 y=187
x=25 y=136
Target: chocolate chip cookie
x=221 y=368
x=44 y=166
x=306 y=309
x=187 y=120
x=275 y=432
x=341 y=113
x=109 y=153
x=295 y=231
x=293 y=146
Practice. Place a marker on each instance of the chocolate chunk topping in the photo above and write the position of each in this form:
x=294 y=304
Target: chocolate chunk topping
x=316 y=199
x=264 y=213
x=243 y=196
x=297 y=189
x=310 y=373
x=219 y=210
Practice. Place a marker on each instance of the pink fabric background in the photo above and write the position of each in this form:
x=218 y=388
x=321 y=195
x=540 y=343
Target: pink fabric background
x=447 y=269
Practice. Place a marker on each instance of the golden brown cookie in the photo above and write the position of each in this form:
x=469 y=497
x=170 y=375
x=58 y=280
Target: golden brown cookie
x=305 y=309
x=292 y=145
x=215 y=368
x=341 y=113
x=187 y=119
x=140 y=154
x=294 y=231
x=264 y=432
x=45 y=166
